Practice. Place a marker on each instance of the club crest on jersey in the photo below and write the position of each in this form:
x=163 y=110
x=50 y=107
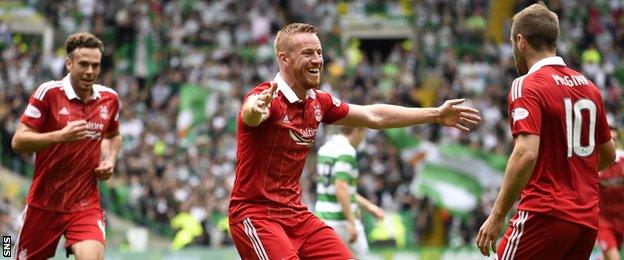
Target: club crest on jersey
x=519 y=114
x=104 y=112
x=317 y=113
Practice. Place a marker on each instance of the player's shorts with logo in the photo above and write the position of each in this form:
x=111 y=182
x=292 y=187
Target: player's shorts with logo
x=42 y=229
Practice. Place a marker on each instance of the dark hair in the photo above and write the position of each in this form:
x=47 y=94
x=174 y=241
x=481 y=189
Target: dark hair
x=282 y=38
x=82 y=40
x=538 y=25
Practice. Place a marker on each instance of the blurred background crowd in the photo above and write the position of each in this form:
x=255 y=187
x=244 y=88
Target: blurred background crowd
x=181 y=68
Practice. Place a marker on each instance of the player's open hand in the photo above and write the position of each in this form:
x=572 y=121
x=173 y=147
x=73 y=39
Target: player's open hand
x=488 y=234
x=264 y=98
x=74 y=131
x=460 y=117
x=104 y=170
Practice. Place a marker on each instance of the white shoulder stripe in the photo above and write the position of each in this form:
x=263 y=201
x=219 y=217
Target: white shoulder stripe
x=103 y=88
x=516 y=88
x=45 y=87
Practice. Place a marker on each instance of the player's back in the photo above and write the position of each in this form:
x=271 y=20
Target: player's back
x=565 y=109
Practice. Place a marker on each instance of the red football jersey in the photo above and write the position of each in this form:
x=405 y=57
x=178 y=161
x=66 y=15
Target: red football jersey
x=612 y=194
x=64 y=179
x=271 y=156
x=566 y=111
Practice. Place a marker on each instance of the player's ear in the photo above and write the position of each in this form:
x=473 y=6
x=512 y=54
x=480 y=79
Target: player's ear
x=281 y=58
x=521 y=41
x=68 y=62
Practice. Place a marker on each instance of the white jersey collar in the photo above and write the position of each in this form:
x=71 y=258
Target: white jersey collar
x=283 y=87
x=71 y=93
x=554 y=60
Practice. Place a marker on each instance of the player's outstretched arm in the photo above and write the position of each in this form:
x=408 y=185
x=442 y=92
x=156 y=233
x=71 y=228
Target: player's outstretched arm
x=517 y=175
x=255 y=109
x=110 y=146
x=28 y=140
x=382 y=116
x=373 y=209
x=606 y=154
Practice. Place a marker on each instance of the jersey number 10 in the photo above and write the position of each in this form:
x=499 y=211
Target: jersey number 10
x=574 y=122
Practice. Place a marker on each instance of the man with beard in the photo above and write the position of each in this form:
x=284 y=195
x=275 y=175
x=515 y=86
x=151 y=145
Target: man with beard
x=72 y=127
x=277 y=125
x=562 y=140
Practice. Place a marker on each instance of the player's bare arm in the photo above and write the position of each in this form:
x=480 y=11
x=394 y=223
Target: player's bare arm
x=343 y=197
x=517 y=175
x=255 y=109
x=28 y=140
x=110 y=148
x=382 y=116
x=373 y=209
x=606 y=154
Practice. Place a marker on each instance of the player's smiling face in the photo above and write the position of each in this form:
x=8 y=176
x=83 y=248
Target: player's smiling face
x=84 y=67
x=305 y=60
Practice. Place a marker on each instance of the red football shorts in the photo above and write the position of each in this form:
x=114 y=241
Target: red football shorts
x=538 y=236
x=42 y=229
x=273 y=239
x=609 y=238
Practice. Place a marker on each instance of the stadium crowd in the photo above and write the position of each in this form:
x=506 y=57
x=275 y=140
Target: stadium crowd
x=154 y=49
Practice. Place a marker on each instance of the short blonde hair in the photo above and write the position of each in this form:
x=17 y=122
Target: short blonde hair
x=538 y=25
x=282 y=39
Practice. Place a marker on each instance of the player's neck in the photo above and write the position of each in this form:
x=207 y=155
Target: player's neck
x=297 y=88
x=537 y=56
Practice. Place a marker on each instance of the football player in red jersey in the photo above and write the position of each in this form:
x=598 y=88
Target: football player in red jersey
x=561 y=139
x=277 y=125
x=611 y=226
x=72 y=127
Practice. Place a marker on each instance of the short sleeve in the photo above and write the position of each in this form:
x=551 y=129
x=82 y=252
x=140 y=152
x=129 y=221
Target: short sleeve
x=525 y=112
x=35 y=114
x=333 y=108
x=254 y=91
x=113 y=126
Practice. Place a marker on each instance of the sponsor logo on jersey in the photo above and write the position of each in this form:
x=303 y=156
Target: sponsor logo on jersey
x=302 y=139
x=519 y=114
x=32 y=111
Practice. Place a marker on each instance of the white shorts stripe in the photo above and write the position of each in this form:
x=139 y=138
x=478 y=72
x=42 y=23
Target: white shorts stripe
x=515 y=248
x=251 y=238
x=511 y=237
x=19 y=233
x=250 y=231
x=512 y=244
